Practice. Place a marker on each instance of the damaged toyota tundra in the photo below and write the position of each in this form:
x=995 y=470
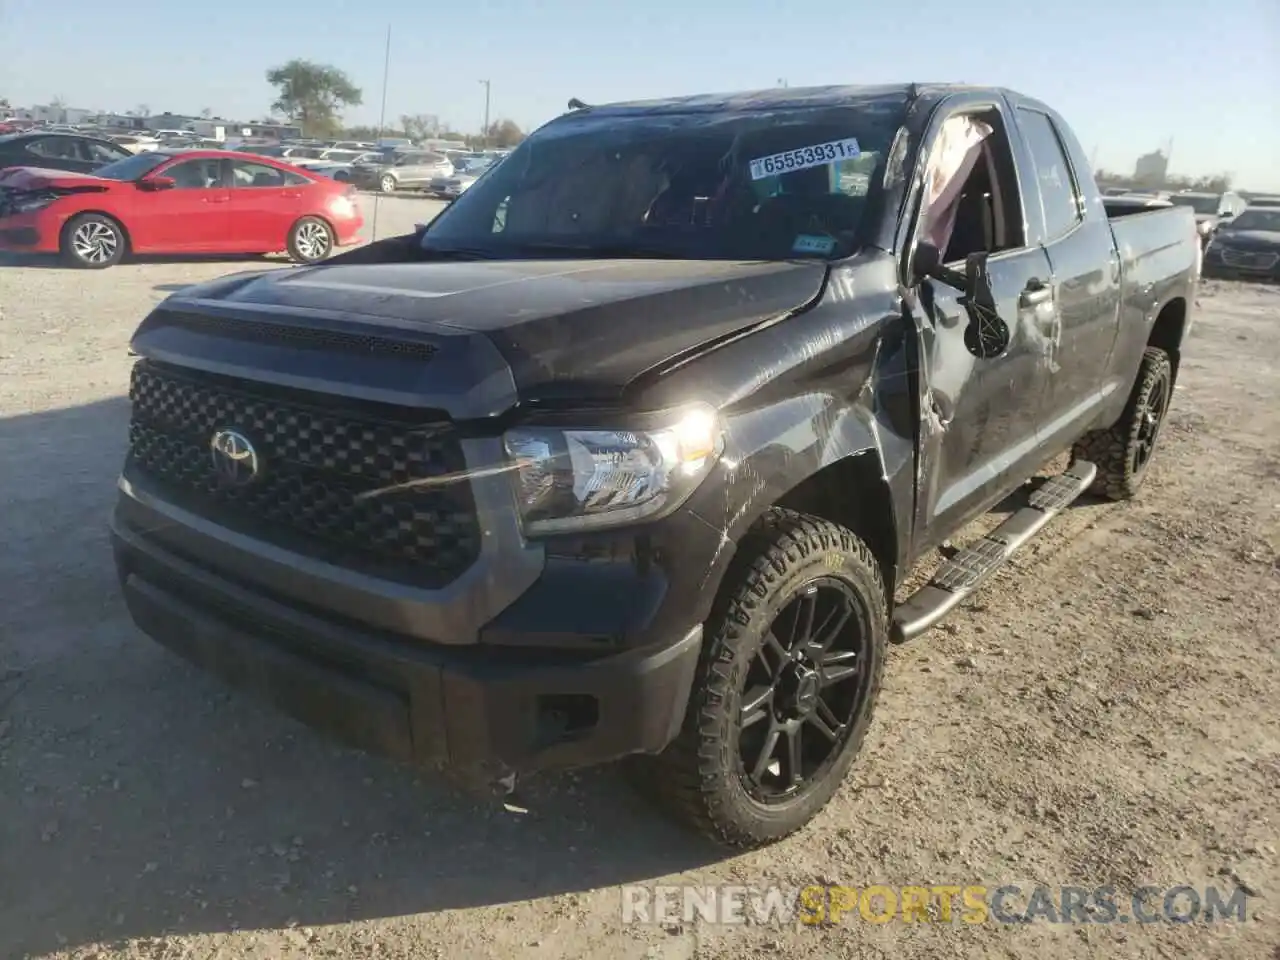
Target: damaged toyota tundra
x=625 y=455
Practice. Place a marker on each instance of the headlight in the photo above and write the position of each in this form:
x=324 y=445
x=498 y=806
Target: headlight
x=580 y=479
x=31 y=204
x=1205 y=227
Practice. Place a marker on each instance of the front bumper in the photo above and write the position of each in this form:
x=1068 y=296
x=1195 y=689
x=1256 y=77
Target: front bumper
x=1234 y=264
x=529 y=661
x=29 y=233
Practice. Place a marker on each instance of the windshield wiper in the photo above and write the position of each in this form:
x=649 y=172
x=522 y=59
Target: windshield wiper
x=458 y=253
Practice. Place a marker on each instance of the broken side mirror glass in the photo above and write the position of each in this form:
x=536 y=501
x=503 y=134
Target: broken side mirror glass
x=986 y=335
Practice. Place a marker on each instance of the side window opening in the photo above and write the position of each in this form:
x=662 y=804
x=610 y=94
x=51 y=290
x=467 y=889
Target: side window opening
x=194 y=174
x=972 y=204
x=245 y=174
x=1059 y=193
x=55 y=148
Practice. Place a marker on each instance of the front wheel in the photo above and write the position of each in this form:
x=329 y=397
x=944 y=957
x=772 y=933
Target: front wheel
x=1123 y=451
x=788 y=678
x=310 y=240
x=388 y=184
x=92 y=241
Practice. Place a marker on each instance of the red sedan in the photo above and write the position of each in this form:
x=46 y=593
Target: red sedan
x=192 y=201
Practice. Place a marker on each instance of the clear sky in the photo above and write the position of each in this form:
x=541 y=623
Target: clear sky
x=1128 y=74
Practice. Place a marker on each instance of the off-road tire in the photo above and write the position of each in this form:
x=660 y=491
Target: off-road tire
x=697 y=779
x=108 y=227
x=1113 y=449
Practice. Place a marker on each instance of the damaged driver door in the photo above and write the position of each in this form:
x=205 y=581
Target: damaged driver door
x=977 y=305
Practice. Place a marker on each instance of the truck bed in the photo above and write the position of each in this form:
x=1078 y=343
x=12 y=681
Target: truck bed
x=1155 y=244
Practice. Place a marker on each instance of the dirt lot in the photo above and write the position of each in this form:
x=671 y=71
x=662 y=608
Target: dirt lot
x=1107 y=712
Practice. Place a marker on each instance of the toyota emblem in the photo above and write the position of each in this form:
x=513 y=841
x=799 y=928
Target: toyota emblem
x=235 y=461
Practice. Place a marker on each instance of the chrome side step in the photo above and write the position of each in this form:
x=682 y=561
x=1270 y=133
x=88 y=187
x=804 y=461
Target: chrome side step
x=960 y=576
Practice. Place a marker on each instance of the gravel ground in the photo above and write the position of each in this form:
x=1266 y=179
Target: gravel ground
x=1104 y=712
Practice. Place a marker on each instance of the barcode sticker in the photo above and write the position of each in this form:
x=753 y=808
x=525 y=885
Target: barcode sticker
x=802 y=158
x=808 y=243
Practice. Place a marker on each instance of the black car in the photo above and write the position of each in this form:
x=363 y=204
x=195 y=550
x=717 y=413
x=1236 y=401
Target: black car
x=1246 y=248
x=58 y=151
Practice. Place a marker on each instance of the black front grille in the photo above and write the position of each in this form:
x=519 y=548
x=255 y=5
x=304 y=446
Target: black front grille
x=319 y=462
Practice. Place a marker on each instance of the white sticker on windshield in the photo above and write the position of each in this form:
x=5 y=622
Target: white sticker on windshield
x=818 y=155
x=808 y=243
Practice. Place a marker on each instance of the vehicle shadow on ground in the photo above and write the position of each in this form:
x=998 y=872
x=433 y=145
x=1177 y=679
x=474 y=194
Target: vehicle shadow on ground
x=139 y=797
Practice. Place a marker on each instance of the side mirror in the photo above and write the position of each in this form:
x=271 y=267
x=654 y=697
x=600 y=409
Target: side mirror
x=986 y=335
x=157 y=183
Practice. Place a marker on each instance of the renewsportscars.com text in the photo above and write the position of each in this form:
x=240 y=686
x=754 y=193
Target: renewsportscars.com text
x=831 y=905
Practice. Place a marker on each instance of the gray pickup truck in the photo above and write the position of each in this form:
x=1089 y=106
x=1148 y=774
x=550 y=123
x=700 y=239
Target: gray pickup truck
x=626 y=453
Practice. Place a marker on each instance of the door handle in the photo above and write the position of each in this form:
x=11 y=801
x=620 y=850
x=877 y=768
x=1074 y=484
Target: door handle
x=216 y=199
x=1035 y=293
x=291 y=194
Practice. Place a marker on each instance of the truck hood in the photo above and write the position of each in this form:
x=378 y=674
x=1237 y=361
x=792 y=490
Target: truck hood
x=560 y=330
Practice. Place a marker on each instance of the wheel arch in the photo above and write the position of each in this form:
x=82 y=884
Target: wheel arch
x=852 y=491
x=1168 y=330
x=113 y=217
x=333 y=231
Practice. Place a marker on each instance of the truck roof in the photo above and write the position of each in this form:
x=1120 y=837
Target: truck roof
x=776 y=98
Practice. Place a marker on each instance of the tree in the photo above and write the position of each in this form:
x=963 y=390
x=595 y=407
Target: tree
x=419 y=126
x=143 y=109
x=58 y=103
x=312 y=95
x=206 y=112
x=503 y=133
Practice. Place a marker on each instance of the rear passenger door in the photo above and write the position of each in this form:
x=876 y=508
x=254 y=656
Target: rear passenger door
x=413 y=172
x=265 y=202
x=1085 y=273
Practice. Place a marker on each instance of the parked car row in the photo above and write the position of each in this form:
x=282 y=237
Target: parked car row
x=177 y=201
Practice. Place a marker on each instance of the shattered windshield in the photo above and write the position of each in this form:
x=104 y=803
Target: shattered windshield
x=722 y=185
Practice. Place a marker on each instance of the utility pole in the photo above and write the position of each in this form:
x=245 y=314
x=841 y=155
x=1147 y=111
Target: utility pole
x=484 y=134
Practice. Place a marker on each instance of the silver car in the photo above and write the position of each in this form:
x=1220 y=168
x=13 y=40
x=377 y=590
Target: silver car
x=466 y=172
x=407 y=170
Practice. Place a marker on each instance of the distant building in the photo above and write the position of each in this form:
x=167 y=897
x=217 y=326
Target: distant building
x=1151 y=167
x=261 y=131
x=53 y=114
x=120 y=121
x=169 y=121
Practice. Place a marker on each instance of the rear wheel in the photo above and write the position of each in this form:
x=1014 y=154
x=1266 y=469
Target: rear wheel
x=786 y=685
x=310 y=240
x=1123 y=452
x=92 y=241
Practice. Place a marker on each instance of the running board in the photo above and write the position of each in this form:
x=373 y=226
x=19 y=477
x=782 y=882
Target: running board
x=960 y=576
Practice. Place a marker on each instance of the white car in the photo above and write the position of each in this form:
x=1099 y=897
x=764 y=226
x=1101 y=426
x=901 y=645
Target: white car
x=452 y=186
x=136 y=144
